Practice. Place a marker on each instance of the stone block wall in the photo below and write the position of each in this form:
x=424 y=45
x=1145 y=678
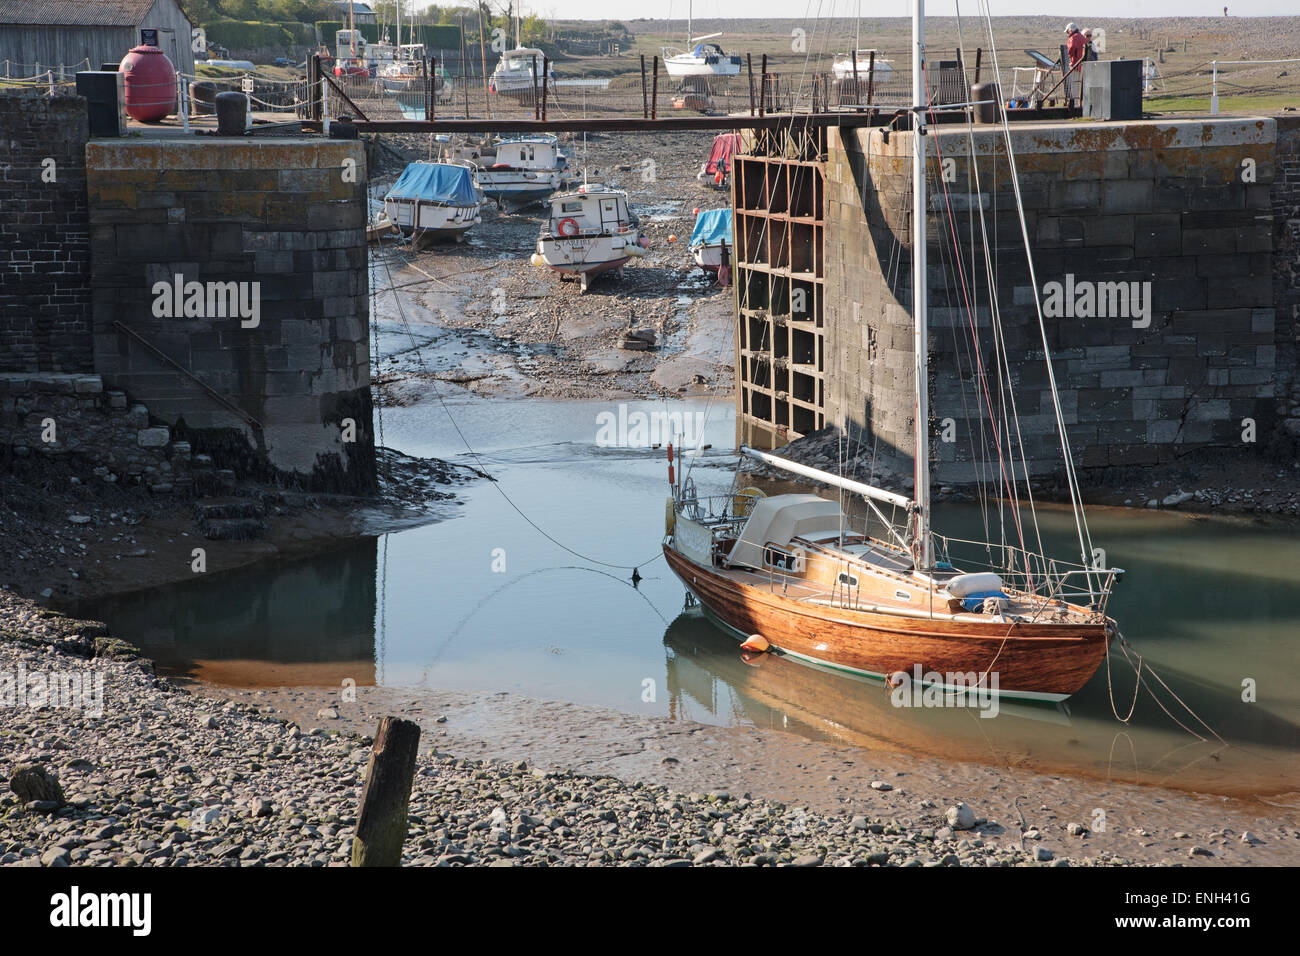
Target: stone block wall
x=66 y=415
x=44 y=234
x=1286 y=270
x=278 y=222
x=1184 y=206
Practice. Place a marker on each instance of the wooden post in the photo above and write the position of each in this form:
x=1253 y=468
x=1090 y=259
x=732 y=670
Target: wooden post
x=762 y=88
x=871 y=77
x=433 y=89
x=645 y=102
x=482 y=57
x=464 y=79
x=749 y=67
x=857 y=90
x=535 y=112
x=979 y=53
x=428 y=84
x=381 y=817
x=546 y=81
x=654 y=89
x=314 y=87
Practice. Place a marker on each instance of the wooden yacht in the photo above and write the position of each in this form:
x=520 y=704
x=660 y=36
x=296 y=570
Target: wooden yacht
x=886 y=597
x=791 y=570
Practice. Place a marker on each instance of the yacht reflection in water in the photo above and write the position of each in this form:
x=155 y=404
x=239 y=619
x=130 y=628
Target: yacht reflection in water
x=707 y=673
x=706 y=668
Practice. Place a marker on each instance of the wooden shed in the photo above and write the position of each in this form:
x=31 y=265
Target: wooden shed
x=38 y=35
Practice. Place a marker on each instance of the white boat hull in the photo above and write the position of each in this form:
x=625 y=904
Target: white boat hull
x=517 y=188
x=709 y=257
x=431 y=220
x=688 y=65
x=587 y=256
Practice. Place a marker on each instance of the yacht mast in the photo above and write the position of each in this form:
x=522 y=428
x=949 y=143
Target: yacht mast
x=690 y=18
x=921 y=486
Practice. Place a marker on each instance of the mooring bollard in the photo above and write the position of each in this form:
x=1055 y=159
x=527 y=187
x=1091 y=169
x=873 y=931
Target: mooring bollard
x=381 y=818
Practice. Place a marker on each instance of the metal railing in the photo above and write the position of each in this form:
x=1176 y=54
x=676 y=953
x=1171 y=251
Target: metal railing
x=1031 y=573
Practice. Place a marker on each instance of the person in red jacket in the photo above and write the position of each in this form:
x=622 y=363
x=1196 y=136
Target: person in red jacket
x=1076 y=47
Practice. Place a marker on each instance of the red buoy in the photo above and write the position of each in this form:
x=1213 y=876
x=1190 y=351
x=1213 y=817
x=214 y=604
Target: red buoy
x=150 y=84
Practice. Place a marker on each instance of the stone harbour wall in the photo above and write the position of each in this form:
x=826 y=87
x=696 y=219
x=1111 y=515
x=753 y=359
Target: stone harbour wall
x=44 y=234
x=1181 y=213
x=230 y=296
x=1286 y=269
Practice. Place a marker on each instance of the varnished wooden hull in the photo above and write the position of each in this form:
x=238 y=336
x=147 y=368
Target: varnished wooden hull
x=1033 y=661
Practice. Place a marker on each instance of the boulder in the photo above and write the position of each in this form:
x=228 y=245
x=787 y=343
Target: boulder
x=33 y=782
x=961 y=817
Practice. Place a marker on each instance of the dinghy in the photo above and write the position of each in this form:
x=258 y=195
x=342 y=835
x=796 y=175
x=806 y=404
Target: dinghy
x=713 y=242
x=716 y=171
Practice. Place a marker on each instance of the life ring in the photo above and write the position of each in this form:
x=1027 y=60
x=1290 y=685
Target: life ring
x=568 y=226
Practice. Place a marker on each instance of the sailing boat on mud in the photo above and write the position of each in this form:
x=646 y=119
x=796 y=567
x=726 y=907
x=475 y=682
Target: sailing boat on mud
x=792 y=573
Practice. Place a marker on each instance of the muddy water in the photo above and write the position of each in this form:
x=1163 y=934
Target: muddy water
x=491 y=600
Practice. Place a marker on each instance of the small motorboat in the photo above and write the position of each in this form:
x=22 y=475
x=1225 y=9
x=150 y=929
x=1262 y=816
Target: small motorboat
x=713 y=242
x=527 y=169
x=434 y=201
x=590 y=231
x=514 y=73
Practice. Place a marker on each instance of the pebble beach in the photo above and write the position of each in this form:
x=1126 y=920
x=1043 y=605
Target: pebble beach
x=154 y=775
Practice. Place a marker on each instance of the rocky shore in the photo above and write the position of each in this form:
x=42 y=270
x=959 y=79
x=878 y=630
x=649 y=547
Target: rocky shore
x=71 y=535
x=142 y=773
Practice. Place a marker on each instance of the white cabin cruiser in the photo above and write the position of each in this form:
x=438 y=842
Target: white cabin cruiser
x=514 y=72
x=434 y=201
x=590 y=231
x=525 y=170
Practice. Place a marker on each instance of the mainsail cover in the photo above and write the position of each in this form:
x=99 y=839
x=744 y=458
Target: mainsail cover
x=712 y=228
x=437 y=183
x=725 y=145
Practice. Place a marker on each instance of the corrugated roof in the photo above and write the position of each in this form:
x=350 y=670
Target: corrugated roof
x=75 y=13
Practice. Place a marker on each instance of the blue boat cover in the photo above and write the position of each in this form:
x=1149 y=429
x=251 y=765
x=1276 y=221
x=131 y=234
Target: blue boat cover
x=436 y=182
x=712 y=226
